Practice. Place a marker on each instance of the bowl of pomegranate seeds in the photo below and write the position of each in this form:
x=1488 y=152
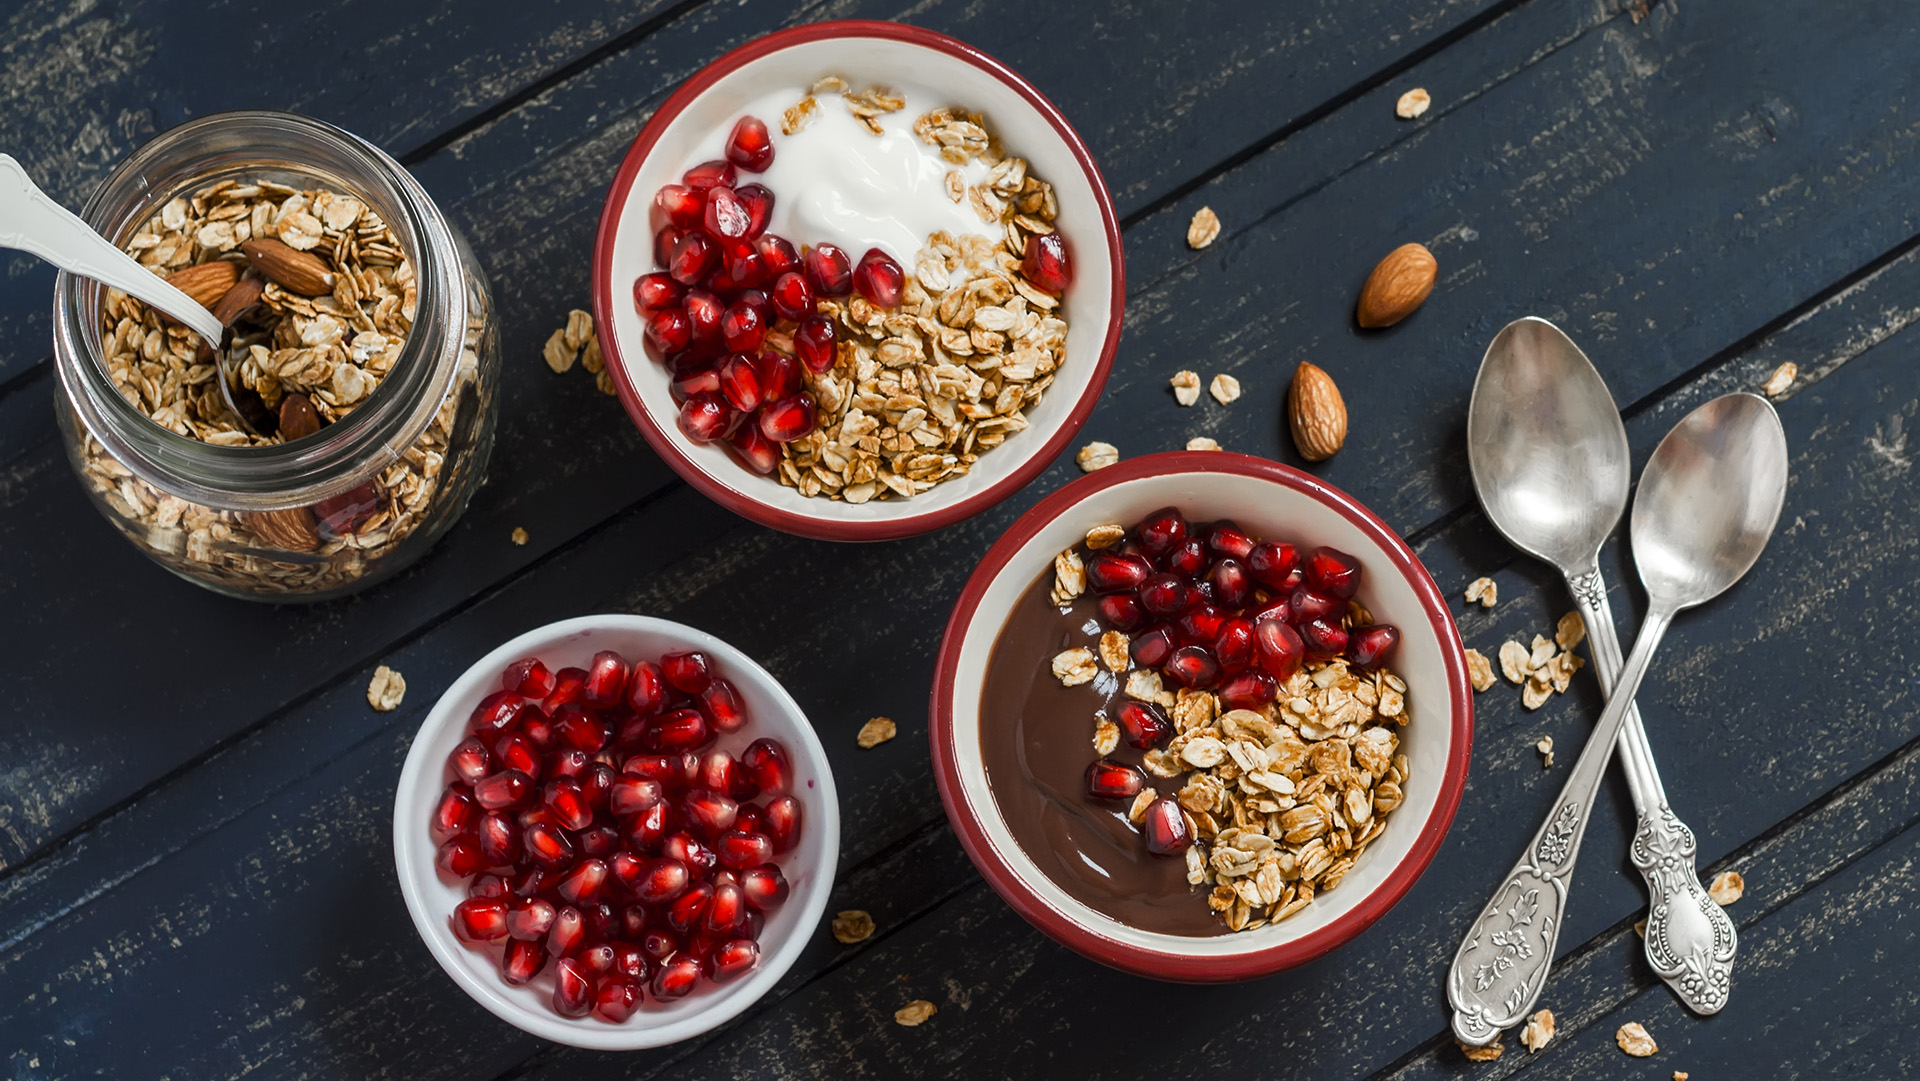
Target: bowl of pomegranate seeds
x=1200 y=716
x=858 y=281
x=616 y=832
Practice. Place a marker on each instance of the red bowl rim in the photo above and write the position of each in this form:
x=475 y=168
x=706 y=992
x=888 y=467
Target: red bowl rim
x=823 y=528
x=1174 y=966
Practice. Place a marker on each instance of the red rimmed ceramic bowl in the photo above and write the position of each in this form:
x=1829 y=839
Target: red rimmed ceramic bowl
x=863 y=53
x=1268 y=500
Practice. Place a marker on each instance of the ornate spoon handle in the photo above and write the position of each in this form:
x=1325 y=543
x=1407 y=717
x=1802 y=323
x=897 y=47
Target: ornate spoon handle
x=1502 y=963
x=1689 y=939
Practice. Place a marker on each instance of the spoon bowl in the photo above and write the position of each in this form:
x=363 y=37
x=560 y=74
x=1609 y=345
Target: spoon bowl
x=1546 y=445
x=1709 y=499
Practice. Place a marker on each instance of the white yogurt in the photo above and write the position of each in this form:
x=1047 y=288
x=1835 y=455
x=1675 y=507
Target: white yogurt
x=837 y=183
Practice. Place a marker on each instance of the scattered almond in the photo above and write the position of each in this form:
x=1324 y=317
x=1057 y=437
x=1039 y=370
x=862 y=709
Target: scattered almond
x=1782 y=379
x=1203 y=229
x=1201 y=442
x=1096 y=456
x=519 y=536
x=1397 y=286
x=386 y=689
x=1412 y=104
x=1316 y=414
x=915 y=1012
x=1539 y=1030
x=1727 y=888
x=876 y=731
x=852 y=926
x=1634 y=1040
x=1484 y=590
x=1225 y=389
x=1186 y=387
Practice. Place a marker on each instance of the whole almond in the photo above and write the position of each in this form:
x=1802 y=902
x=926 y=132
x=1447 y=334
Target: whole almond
x=1397 y=286
x=206 y=283
x=295 y=271
x=292 y=530
x=1315 y=413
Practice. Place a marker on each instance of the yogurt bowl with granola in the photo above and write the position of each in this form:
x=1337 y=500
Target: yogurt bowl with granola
x=858 y=281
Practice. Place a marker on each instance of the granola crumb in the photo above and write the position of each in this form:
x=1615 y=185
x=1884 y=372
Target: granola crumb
x=1635 y=1040
x=1114 y=653
x=1480 y=1054
x=386 y=689
x=1412 y=103
x=876 y=731
x=1201 y=442
x=1727 y=887
x=1203 y=229
x=519 y=536
x=852 y=925
x=1186 y=386
x=1545 y=747
x=1096 y=456
x=1479 y=669
x=1106 y=737
x=1225 y=389
x=1539 y=1030
x=1105 y=536
x=1483 y=590
x=915 y=1012
x=1782 y=379
x=1073 y=667
x=1678 y=1075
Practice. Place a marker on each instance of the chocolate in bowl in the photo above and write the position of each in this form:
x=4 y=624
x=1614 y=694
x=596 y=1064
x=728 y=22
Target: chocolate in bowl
x=1036 y=741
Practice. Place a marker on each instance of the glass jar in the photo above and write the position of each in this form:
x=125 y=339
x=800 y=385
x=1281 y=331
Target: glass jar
x=314 y=517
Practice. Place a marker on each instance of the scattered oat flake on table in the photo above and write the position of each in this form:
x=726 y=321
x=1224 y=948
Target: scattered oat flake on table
x=559 y=357
x=915 y=1012
x=603 y=380
x=1203 y=229
x=1186 y=387
x=1634 y=1040
x=1201 y=442
x=578 y=329
x=1782 y=379
x=1678 y=1075
x=1075 y=666
x=1225 y=389
x=386 y=689
x=1539 y=1030
x=1481 y=1054
x=1479 y=670
x=1545 y=747
x=590 y=356
x=1570 y=631
x=875 y=732
x=519 y=535
x=1483 y=590
x=1727 y=888
x=1513 y=661
x=1096 y=456
x=1412 y=104
x=851 y=926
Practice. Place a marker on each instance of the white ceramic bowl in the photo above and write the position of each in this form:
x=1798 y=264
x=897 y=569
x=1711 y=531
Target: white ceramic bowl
x=1270 y=501
x=431 y=896
x=864 y=53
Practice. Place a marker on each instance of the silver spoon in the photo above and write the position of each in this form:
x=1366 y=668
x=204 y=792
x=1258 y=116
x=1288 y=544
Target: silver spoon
x=1551 y=465
x=1708 y=501
x=32 y=222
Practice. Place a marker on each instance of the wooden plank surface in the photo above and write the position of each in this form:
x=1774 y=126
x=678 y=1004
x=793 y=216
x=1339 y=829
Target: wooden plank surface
x=1696 y=195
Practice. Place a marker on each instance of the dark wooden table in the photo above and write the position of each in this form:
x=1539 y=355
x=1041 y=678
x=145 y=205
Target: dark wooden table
x=195 y=873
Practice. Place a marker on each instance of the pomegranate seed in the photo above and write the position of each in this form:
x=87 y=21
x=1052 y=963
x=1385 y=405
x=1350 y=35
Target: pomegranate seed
x=495 y=713
x=460 y=857
x=580 y=730
x=695 y=376
x=740 y=383
x=628 y=960
x=1165 y=828
x=599 y=842
x=682 y=205
x=750 y=819
x=528 y=677
x=1201 y=625
x=734 y=958
x=530 y=919
x=569 y=685
x=1122 y=611
x=779 y=375
x=879 y=279
x=700 y=946
x=684 y=847
x=681 y=730
x=470 y=761
x=777 y=253
x=814 y=343
x=1192 y=666
x=508 y=788
x=1325 y=640
x=569 y=932
x=1151 y=649
x=567 y=762
x=757 y=299
x=718 y=771
x=792 y=296
x=1143 y=724
x=514 y=751
x=705 y=418
x=527 y=883
x=596 y=782
x=659 y=944
x=1107 y=779
x=688 y=671
x=1117 y=573
x=661 y=881
x=1307 y=604
x=582 y=884
x=454 y=813
x=651 y=827
x=656 y=292
x=726 y=217
x=1161 y=531
x=788 y=419
x=598 y=960
x=1270 y=563
x=766 y=761
x=480 y=919
x=631 y=795
x=664 y=243
x=1046 y=265
x=342 y=514
x=703 y=311
x=727 y=910
x=499 y=839
x=615 y=1000
x=746 y=269
x=758 y=201
x=829 y=270
x=646 y=688
x=1188 y=558
x=693 y=257
x=572 y=988
x=1333 y=572
x=521 y=962
x=764 y=886
x=710 y=174
x=783 y=822
x=1294 y=580
x=1278 y=647
x=1164 y=594
x=708 y=812
x=669 y=330
x=739 y=850
x=662 y=768
x=749 y=146
x=1250 y=689
x=626 y=869
x=1277 y=609
x=606 y=678
x=564 y=801
x=686 y=910
x=547 y=847
x=1232 y=585
x=1227 y=539
x=1233 y=645
x=1368 y=645
x=600 y=923
x=676 y=978
x=536 y=728
x=754 y=450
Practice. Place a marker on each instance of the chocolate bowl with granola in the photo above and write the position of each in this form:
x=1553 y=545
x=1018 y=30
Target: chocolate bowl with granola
x=1200 y=717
